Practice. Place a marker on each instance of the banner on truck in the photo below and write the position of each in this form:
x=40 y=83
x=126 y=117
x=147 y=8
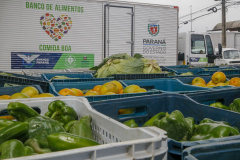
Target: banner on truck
x=29 y=60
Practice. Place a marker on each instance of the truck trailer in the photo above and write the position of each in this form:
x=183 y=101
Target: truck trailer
x=59 y=34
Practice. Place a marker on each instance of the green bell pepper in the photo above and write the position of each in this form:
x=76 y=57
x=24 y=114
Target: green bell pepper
x=28 y=151
x=191 y=123
x=213 y=130
x=235 y=105
x=83 y=127
x=176 y=126
x=5 y=122
x=33 y=143
x=69 y=125
x=156 y=117
x=13 y=148
x=207 y=120
x=219 y=105
x=64 y=141
x=40 y=127
x=13 y=131
x=131 y=123
x=21 y=111
x=59 y=111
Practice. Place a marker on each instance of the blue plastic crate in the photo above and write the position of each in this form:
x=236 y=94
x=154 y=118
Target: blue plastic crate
x=54 y=88
x=165 y=85
x=232 y=76
x=23 y=81
x=16 y=89
x=22 y=76
x=148 y=106
x=229 y=150
x=225 y=71
x=178 y=66
x=188 y=80
x=139 y=76
x=83 y=79
x=226 y=96
x=47 y=76
x=185 y=70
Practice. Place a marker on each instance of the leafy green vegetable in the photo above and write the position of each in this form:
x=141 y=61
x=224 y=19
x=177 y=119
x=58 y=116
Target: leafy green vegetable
x=124 y=64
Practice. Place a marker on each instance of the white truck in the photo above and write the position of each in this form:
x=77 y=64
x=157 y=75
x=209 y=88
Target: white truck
x=198 y=49
x=58 y=34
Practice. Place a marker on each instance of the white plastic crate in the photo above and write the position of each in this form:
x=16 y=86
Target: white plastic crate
x=119 y=142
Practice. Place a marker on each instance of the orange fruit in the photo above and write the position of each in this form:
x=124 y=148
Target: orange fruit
x=218 y=77
x=126 y=111
x=120 y=92
x=235 y=81
x=200 y=85
x=4 y=97
x=19 y=96
x=211 y=86
x=77 y=92
x=109 y=87
x=109 y=93
x=43 y=95
x=198 y=80
x=97 y=88
x=66 y=91
x=91 y=93
x=30 y=91
x=131 y=89
x=210 y=83
x=120 y=87
x=221 y=84
x=140 y=90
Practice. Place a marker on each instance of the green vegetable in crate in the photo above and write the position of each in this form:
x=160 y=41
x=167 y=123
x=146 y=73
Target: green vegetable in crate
x=235 y=105
x=61 y=77
x=5 y=122
x=131 y=123
x=6 y=74
x=213 y=130
x=21 y=111
x=59 y=111
x=191 y=123
x=41 y=126
x=82 y=127
x=186 y=74
x=176 y=126
x=33 y=143
x=207 y=120
x=125 y=64
x=14 y=148
x=64 y=141
x=17 y=130
x=219 y=105
x=158 y=116
x=69 y=125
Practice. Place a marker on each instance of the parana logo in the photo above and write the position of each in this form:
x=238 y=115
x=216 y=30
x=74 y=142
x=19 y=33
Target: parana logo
x=28 y=59
x=153 y=27
x=70 y=61
x=56 y=28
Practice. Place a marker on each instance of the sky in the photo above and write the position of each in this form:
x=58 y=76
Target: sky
x=203 y=23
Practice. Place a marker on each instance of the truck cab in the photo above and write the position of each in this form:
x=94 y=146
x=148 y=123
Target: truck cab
x=197 y=49
x=229 y=56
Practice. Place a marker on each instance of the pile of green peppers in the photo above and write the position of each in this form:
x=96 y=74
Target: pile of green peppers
x=180 y=128
x=33 y=133
x=234 y=106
